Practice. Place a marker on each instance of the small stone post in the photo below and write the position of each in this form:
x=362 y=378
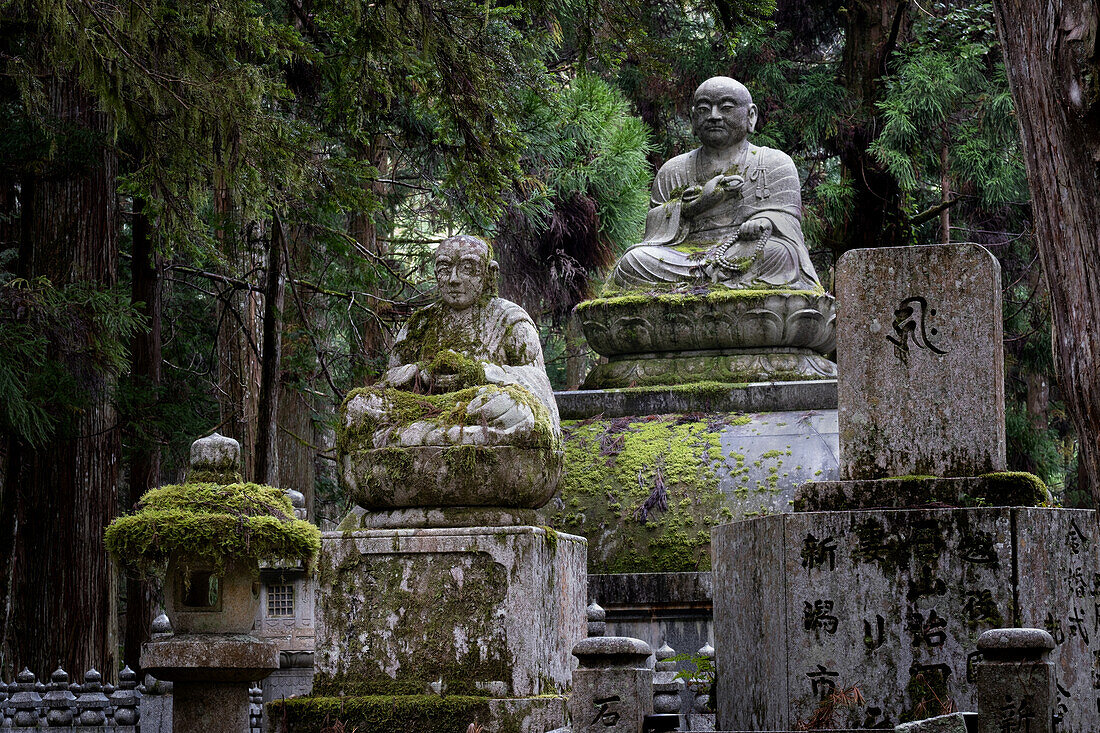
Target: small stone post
x=26 y=701
x=667 y=688
x=1015 y=681
x=125 y=699
x=92 y=703
x=613 y=688
x=59 y=701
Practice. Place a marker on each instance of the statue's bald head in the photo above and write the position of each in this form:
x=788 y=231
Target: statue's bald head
x=722 y=113
x=719 y=87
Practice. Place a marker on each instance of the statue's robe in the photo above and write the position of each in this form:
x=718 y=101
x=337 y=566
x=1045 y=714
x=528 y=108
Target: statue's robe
x=674 y=245
x=497 y=333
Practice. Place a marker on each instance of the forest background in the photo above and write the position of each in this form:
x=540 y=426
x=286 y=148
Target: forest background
x=213 y=216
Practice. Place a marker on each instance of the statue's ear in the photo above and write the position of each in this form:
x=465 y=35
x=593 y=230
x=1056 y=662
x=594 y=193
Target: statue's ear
x=494 y=270
x=752 y=117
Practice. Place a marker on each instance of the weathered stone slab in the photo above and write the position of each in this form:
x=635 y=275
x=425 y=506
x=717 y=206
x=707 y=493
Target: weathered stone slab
x=1004 y=488
x=919 y=348
x=478 y=609
x=893 y=601
x=810 y=394
x=1059 y=591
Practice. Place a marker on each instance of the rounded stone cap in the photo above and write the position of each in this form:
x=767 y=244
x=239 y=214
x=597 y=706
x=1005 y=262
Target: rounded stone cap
x=1016 y=644
x=161 y=624
x=611 y=651
x=216 y=453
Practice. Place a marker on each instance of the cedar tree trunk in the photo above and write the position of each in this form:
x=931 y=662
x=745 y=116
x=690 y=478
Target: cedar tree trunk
x=1051 y=53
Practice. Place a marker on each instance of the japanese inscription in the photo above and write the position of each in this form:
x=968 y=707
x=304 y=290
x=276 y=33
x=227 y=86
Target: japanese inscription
x=909 y=326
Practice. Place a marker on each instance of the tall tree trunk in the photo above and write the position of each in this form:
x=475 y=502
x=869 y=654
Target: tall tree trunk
x=1052 y=54
x=298 y=437
x=364 y=230
x=871 y=35
x=61 y=608
x=267 y=457
x=239 y=328
x=147 y=272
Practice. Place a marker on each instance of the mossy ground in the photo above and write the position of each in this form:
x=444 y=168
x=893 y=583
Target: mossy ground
x=210 y=524
x=644 y=491
x=379 y=714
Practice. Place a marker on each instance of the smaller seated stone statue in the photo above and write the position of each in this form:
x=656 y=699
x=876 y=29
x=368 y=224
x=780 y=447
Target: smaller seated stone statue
x=464 y=415
x=726 y=213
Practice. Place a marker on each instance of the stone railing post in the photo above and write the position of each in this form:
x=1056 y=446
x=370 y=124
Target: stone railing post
x=92 y=703
x=1015 y=681
x=59 y=701
x=125 y=699
x=26 y=701
x=667 y=689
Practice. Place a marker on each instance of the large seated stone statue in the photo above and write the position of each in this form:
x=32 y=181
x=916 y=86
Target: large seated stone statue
x=464 y=415
x=727 y=212
x=723 y=271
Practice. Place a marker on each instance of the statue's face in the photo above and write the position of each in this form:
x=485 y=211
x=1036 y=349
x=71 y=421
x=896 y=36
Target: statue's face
x=722 y=113
x=462 y=270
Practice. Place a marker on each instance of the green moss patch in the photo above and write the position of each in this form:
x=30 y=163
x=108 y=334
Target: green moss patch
x=644 y=491
x=379 y=714
x=211 y=523
x=683 y=294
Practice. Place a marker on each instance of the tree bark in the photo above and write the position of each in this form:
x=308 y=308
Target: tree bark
x=61 y=607
x=267 y=456
x=239 y=328
x=1053 y=63
x=362 y=228
x=147 y=272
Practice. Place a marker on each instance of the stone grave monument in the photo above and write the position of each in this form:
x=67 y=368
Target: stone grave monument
x=439 y=581
x=885 y=578
x=717 y=396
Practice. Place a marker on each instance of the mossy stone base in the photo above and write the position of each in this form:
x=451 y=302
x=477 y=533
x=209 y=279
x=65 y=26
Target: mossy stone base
x=709 y=318
x=455 y=475
x=416 y=714
x=479 y=610
x=674 y=368
x=1007 y=488
x=647 y=489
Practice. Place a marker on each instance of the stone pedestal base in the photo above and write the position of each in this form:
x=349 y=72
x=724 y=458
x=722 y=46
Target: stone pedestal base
x=893 y=601
x=211 y=675
x=474 y=610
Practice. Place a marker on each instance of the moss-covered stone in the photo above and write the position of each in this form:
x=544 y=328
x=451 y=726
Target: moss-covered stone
x=644 y=491
x=1005 y=488
x=725 y=370
x=211 y=524
x=379 y=714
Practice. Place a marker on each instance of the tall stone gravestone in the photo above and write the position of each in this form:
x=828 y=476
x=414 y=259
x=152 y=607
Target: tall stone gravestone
x=919 y=346
x=873 y=583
